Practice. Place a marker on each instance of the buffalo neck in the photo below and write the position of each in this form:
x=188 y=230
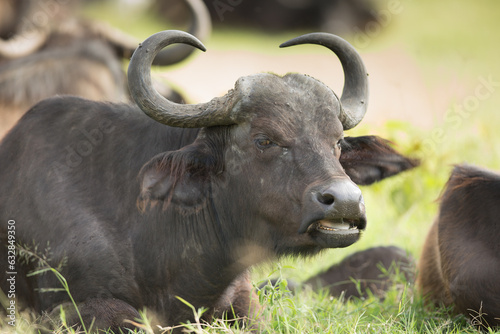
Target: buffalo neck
x=197 y=260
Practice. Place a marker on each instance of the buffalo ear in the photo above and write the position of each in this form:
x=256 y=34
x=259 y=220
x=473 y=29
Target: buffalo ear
x=178 y=177
x=369 y=159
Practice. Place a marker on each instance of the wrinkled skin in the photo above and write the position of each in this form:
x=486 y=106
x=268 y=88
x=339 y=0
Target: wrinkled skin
x=302 y=154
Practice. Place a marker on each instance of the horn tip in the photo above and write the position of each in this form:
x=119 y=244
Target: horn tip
x=311 y=38
x=292 y=42
x=285 y=44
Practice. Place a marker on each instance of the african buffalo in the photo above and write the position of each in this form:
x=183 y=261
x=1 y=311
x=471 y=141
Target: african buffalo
x=50 y=51
x=141 y=210
x=335 y=16
x=372 y=269
x=460 y=262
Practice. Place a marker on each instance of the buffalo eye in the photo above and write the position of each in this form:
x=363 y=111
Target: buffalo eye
x=338 y=148
x=263 y=143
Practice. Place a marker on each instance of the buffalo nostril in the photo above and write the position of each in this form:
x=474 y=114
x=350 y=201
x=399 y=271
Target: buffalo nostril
x=342 y=199
x=326 y=198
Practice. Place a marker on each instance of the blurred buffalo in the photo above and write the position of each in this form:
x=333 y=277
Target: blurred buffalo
x=335 y=16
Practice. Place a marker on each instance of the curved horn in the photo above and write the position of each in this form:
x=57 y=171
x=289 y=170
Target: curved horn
x=121 y=41
x=215 y=112
x=201 y=27
x=23 y=44
x=354 y=99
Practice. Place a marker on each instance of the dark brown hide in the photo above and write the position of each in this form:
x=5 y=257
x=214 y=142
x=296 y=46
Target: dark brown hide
x=372 y=269
x=460 y=262
x=114 y=314
x=380 y=161
x=334 y=16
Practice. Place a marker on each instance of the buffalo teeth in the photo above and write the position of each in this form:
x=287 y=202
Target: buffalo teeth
x=334 y=225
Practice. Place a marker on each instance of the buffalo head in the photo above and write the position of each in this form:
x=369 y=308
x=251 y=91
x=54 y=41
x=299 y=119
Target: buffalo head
x=281 y=140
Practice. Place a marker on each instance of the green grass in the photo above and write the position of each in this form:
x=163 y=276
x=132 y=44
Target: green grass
x=450 y=40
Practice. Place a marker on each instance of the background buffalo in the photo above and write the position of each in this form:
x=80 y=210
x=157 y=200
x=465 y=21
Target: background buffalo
x=47 y=48
x=335 y=16
x=372 y=271
x=460 y=262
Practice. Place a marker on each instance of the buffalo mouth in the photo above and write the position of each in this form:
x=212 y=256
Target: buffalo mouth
x=336 y=233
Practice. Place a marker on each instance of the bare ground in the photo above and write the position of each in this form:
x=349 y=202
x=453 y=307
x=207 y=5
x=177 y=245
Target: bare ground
x=398 y=90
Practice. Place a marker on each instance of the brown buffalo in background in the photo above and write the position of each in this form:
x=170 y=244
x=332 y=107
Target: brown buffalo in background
x=47 y=49
x=460 y=262
x=334 y=16
x=373 y=270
